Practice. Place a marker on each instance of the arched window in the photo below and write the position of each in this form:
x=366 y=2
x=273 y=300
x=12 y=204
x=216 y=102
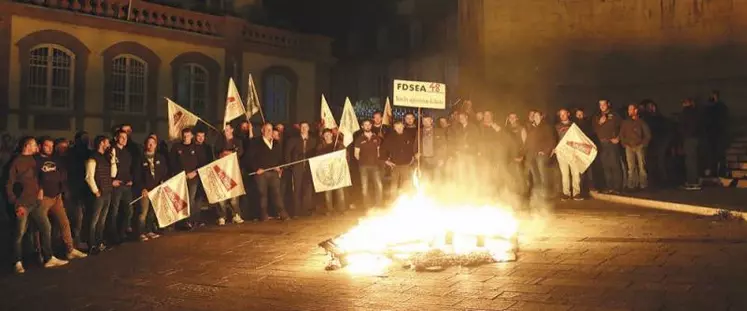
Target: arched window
x=192 y=88
x=50 y=77
x=129 y=78
x=277 y=97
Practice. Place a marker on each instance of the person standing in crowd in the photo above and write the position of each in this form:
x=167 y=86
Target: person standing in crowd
x=204 y=150
x=432 y=149
x=267 y=155
x=329 y=144
x=184 y=158
x=378 y=127
x=490 y=133
x=464 y=142
x=411 y=126
x=53 y=184
x=80 y=195
x=367 y=147
x=398 y=153
x=539 y=145
x=24 y=194
x=301 y=148
x=584 y=124
x=661 y=140
x=120 y=213
x=152 y=170
x=516 y=136
x=635 y=136
x=100 y=172
x=285 y=179
x=716 y=132
x=607 y=126
x=443 y=123
x=570 y=176
x=223 y=148
x=246 y=134
x=691 y=130
x=132 y=146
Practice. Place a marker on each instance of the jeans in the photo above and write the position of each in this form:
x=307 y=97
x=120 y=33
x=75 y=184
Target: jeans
x=303 y=189
x=400 y=181
x=371 y=176
x=146 y=220
x=610 y=156
x=194 y=202
x=223 y=207
x=100 y=209
x=38 y=214
x=537 y=165
x=570 y=178
x=268 y=186
x=332 y=195
x=75 y=204
x=56 y=209
x=119 y=222
x=636 y=160
x=690 y=146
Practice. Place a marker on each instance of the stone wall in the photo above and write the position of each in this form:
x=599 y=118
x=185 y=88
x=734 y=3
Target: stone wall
x=551 y=53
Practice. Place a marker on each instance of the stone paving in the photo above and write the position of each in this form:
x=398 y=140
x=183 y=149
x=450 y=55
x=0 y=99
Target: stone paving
x=586 y=256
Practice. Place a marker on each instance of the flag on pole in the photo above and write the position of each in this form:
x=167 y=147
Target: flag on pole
x=348 y=123
x=388 y=115
x=252 y=100
x=328 y=120
x=330 y=171
x=576 y=149
x=170 y=200
x=179 y=119
x=234 y=106
x=222 y=179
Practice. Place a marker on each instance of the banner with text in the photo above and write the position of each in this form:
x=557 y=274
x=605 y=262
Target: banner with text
x=170 y=200
x=419 y=94
x=576 y=149
x=222 y=179
x=330 y=171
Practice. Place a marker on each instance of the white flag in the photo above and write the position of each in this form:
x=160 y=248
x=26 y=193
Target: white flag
x=328 y=120
x=330 y=171
x=252 y=99
x=234 y=106
x=348 y=123
x=576 y=149
x=170 y=200
x=388 y=115
x=222 y=179
x=179 y=119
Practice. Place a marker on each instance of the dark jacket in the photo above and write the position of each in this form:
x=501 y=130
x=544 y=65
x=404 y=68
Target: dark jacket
x=294 y=148
x=23 y=182
x=234 y=145
x=463 y=140
x=52 y=176
x=147 y=179
x=610 y=129
x=184 y=158
x=634 y=133
x=369 y=149
x=124 y=160
x=691 y=122
x=262 y=157
x=540 y=138
x=561 y=128
x=400 y=149
x=205 y=154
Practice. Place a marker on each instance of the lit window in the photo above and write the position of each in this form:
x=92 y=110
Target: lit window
x=129 y=76
x=192 y=89
x=277 y=96
x=50 y=80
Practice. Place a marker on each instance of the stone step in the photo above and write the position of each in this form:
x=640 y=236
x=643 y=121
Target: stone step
x=742 y=183
x=738 y=174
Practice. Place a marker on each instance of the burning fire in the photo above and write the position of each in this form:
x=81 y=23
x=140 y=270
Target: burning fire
x=421 y=232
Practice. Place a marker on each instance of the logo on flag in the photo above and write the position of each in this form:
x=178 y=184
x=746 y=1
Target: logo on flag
x=252 y=100
x=222 y=179
x=330 y=171
x=234 y=106
x=348 y=123
x=576 y=149
x=179 y=119
x=328 y=120
x=169 y=200
x=388 y=115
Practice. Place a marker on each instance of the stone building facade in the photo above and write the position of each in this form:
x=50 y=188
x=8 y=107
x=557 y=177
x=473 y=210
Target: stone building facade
x=83 y=65
x=551 y=53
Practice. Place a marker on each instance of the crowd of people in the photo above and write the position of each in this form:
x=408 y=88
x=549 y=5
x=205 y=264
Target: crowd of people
x=86 y=187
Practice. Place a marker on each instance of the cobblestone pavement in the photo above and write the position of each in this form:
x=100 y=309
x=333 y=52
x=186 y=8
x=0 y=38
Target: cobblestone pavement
x=587 y=256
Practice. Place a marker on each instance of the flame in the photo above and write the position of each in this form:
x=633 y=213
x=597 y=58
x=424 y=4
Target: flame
x=418 y=223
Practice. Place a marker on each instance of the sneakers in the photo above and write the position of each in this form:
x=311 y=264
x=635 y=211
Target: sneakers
x=221 y=221
x=578 y=197
x=691 y=187
x=143 y=238
x=76 y=254
x=237 y=219
x=152 y=235
x=565 y=197
x=54 y=262
x=19 y=268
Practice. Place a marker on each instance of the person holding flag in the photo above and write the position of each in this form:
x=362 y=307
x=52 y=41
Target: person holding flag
x=267 y=156
x=151 y=171
x=224 y=147
x=300 y=148
x=571 y=176
x=330 y=143
x=184 y=158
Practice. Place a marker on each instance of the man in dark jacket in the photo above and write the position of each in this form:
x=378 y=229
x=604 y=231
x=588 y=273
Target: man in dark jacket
x=398 y=153
x=120 y=212
x=539 y=146
x=691 y=131
x=662 y=134
x=635 y=137
x=184 y=158
x=100 y=173
x=607 y=127
x=367 y=147
x=299 y=148
x=151 y=171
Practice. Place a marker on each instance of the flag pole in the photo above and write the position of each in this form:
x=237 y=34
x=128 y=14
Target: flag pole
x=280 y=166
x=259 y=105
x=420 y=120
x=129 y=10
